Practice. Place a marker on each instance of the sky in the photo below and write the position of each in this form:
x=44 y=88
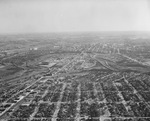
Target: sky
x=32 y=16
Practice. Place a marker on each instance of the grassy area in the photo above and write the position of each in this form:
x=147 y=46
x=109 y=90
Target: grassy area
x=9 y=71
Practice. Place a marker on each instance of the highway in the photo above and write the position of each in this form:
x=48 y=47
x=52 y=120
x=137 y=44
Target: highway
x=134 y=60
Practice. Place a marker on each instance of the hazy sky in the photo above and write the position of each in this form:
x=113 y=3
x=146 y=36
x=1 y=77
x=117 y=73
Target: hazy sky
x=25 y=16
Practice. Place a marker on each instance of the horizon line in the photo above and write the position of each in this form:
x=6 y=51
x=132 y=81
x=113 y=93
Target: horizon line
x=63 y=32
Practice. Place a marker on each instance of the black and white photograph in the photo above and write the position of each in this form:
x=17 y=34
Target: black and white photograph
x=74 y=60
